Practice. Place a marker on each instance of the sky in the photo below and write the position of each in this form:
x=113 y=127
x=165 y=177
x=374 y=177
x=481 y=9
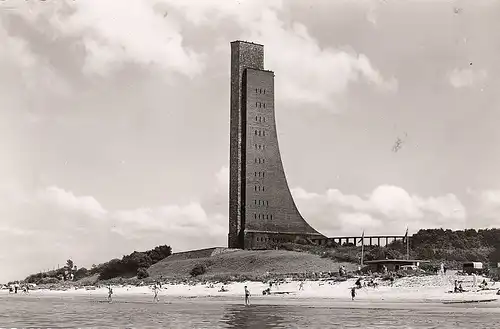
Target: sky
x=114 y=120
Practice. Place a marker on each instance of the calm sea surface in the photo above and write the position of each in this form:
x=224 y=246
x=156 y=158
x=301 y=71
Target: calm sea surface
x=140 y=312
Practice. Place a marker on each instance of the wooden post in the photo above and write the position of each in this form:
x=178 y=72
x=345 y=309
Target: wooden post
x=362 y=251
x=362 y=248
x=407 y=248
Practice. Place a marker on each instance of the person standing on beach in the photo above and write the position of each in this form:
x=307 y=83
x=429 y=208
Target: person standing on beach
x=247 y=296
x=358 y=283
x=155 y=290
x=353 y=292
x=110 y=294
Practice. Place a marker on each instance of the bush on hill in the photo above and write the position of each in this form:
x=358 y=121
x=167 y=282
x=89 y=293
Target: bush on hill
x=134 y=261
x=81 y=273
x=159 y=253
x=34 y=278
x=448 y=239
x=48 y=280
x=142 y=273
x=198 y=270
x=456 y=247
x=435 y=245
x=129 y=265
x=111 y=269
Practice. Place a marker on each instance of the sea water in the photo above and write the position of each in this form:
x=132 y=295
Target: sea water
x=140 y=312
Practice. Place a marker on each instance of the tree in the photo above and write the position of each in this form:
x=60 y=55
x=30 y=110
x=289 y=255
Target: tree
x=135 y=260
x=159 y=253
x=494 y=256
x=142 y=273
x=81 y=273
x=69 y=264
x=198 y=270
x=111 y=269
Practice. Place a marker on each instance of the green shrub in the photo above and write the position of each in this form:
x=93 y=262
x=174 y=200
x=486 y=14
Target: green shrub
x=198 y=270
x=111 y=269
x=81 y=273
x=142 y=273
x=48 y=280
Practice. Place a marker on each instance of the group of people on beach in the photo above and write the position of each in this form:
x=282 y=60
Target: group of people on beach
x=358 y=285
x=157 y=286
x=15 y=287
x=156 y=289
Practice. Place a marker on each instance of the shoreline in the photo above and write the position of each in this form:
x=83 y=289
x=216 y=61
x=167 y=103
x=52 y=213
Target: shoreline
x=430 y=289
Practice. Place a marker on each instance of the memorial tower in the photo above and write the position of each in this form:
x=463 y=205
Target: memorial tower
x=262 y=212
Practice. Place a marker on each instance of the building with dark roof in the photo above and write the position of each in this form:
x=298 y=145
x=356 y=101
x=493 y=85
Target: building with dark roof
x=392 y=265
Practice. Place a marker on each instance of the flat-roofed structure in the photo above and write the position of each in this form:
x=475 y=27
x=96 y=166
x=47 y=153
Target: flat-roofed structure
x=392 y=265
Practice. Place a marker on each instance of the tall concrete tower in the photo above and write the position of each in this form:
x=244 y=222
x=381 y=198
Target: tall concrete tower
x=262 y=212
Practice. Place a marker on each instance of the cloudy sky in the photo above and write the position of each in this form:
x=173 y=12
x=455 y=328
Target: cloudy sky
x=114 y=119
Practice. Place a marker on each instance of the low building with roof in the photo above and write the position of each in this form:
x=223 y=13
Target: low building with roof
x=393 y=265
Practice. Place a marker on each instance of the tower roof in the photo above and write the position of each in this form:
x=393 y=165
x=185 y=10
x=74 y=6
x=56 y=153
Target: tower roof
x=249 y=42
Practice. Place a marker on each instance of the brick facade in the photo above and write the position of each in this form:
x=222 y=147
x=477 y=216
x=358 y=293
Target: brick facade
x=262 y=212
x=243 y=55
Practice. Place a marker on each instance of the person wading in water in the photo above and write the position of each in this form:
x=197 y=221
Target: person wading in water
x=247 y=296
x=110 y=294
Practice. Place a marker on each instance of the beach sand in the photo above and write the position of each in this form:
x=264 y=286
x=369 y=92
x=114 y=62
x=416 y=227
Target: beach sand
x=433 y=289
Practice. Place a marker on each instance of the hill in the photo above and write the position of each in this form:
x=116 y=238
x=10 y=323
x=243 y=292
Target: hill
x=435 y=245
x=250 y=263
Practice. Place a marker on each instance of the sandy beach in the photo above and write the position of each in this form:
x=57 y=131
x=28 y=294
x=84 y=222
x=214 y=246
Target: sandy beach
x=412 y=302
x=409 y=289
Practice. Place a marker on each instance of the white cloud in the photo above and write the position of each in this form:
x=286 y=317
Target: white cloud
x=189 y=221
x=15 y=49
x=487 y=204
x=305 y=71
x=19 y=62
x=222 y=177
x=460 y=78
x=309 y=73
x=387 y=209
x=357 y=222
x=113 y=33
x=54 y=224
x=66 y=200
x=110 y=34
x=491 y=197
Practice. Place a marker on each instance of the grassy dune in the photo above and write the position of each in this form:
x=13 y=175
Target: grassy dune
x=249 y=263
